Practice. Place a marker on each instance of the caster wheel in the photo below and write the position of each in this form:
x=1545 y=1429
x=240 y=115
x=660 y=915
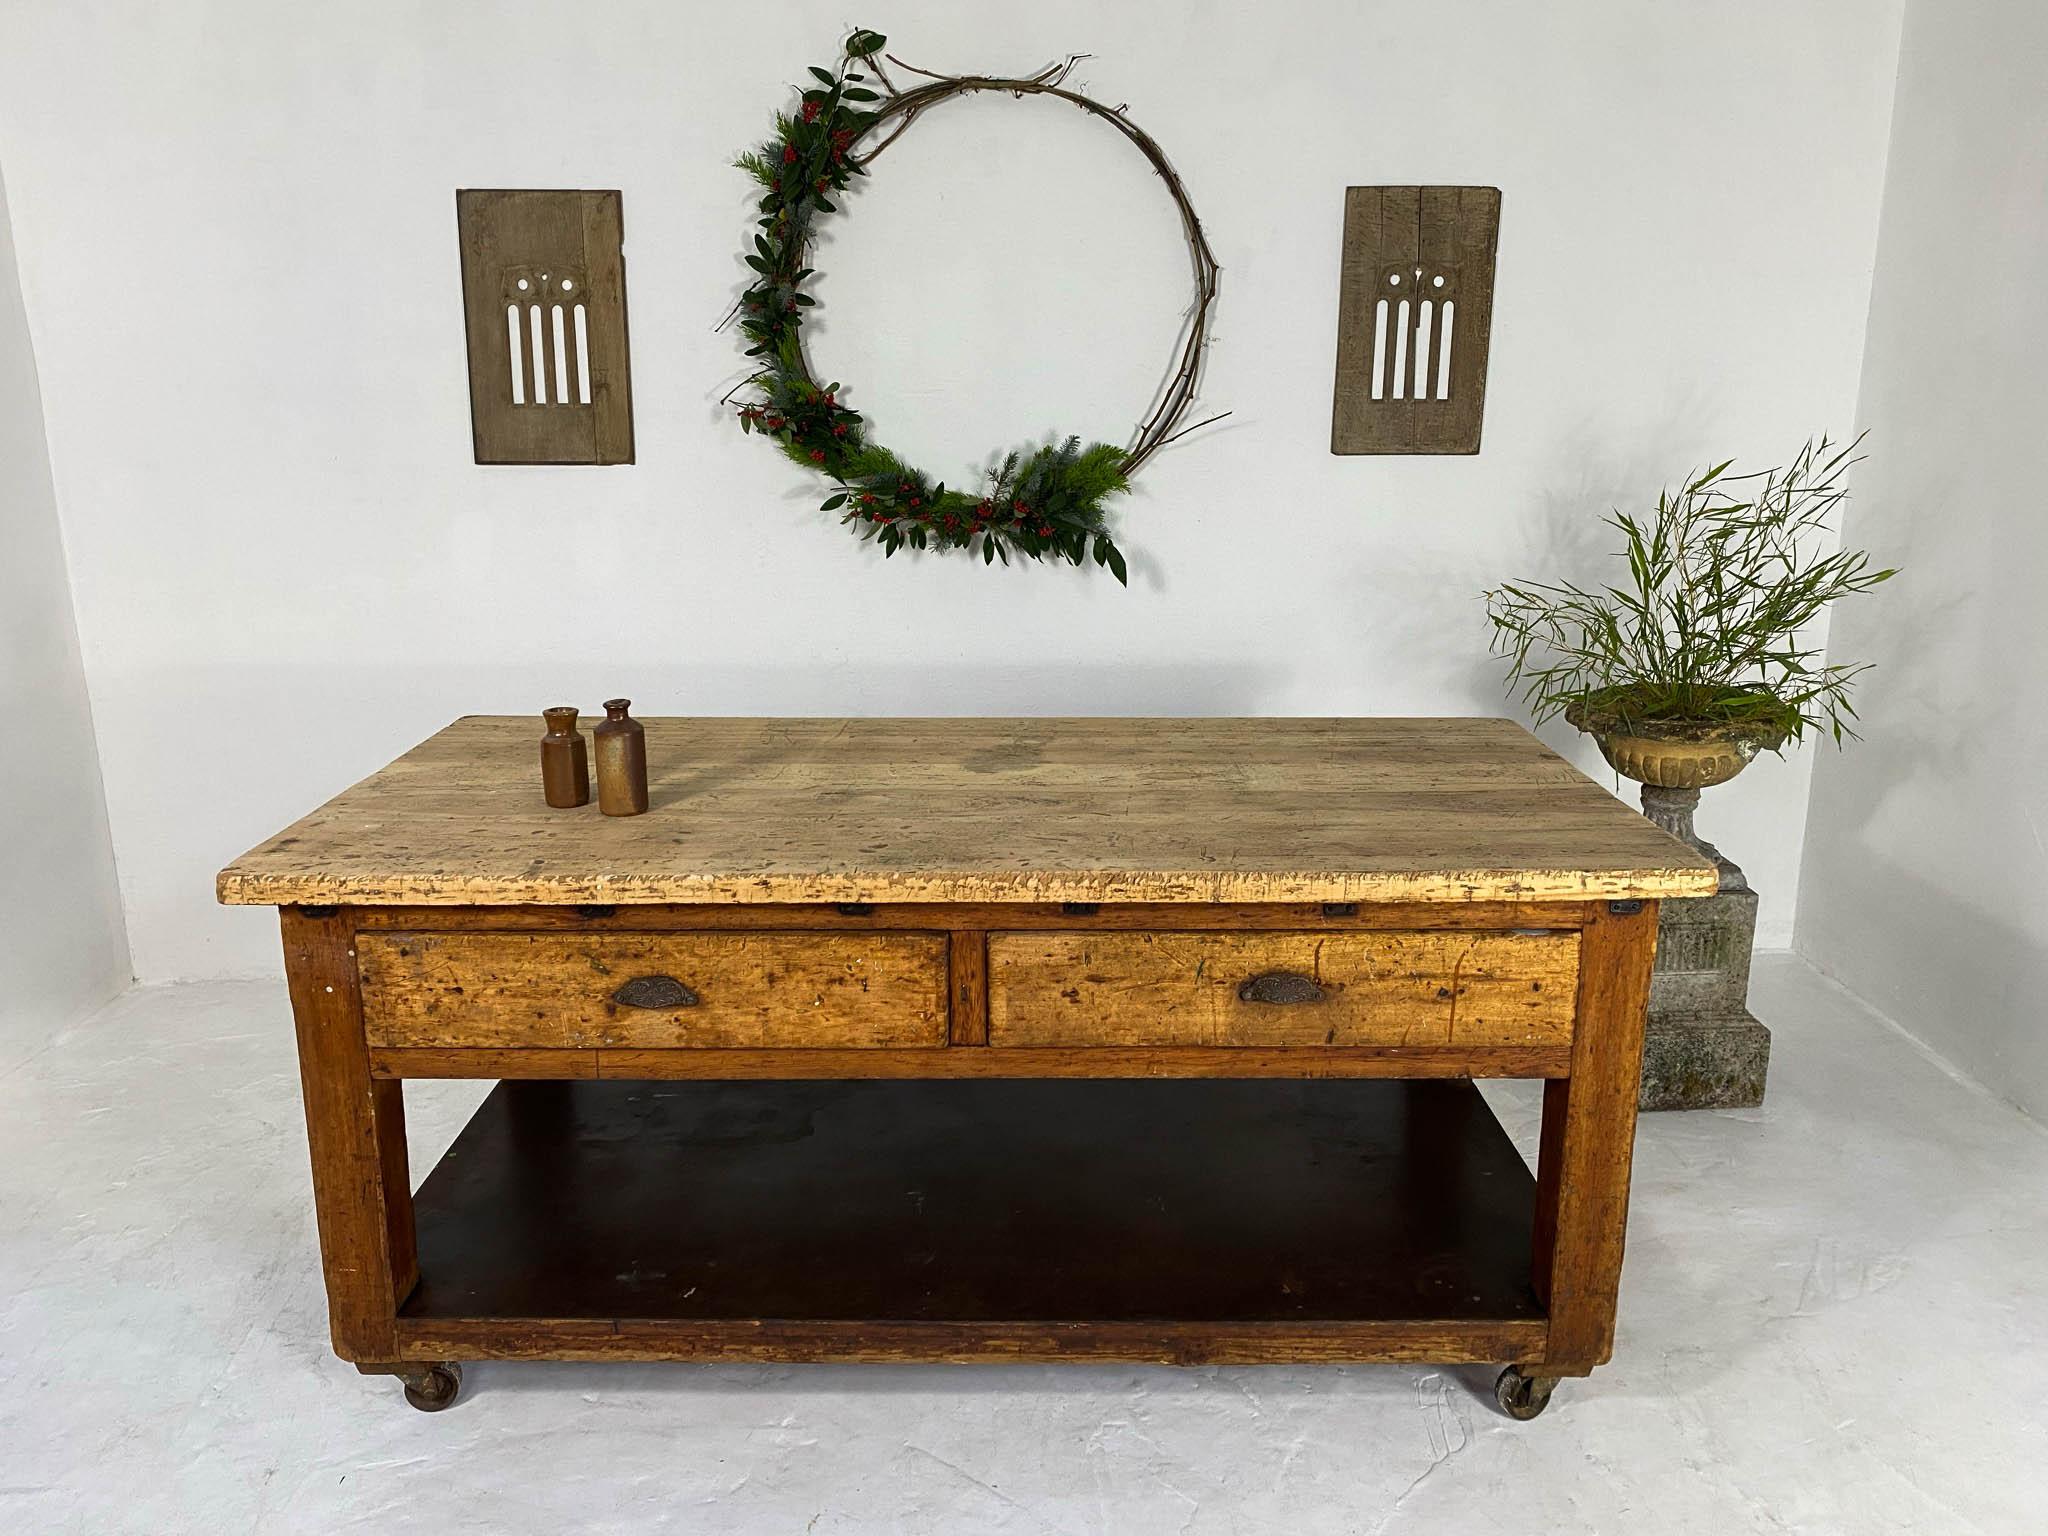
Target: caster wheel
x=432 y=1388
x=1520 y=1396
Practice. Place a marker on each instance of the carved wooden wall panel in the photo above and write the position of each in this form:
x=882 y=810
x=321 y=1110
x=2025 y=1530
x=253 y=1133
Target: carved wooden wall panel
x=1415 y=309
x=544 y=305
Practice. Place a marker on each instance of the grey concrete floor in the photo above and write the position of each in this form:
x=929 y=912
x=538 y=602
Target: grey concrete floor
x=1834 y=1319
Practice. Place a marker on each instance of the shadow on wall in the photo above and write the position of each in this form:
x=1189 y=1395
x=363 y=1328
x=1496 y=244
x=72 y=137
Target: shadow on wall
x=1417 y=600
x=2003 y=1050
x=1929 y=657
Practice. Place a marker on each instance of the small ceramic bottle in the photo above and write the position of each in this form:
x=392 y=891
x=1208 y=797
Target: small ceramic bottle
x=621 y=761
x=564 y=759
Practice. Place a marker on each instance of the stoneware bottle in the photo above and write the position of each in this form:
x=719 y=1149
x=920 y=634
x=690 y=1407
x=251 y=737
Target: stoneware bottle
x=621 y=761
x=564 y=759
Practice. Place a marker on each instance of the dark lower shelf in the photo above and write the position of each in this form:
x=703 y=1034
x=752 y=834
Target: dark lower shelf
x=970 y=1201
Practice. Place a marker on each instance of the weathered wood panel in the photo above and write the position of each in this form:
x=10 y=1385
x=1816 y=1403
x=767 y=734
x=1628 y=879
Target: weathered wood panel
x=885 y=1342
x=1202 y=989
x=1420 y=1061
x=1183 y=811
x=539 y=253
x=967 y=957
x=1412 y=256
x=1142 y=916
x=563 y=991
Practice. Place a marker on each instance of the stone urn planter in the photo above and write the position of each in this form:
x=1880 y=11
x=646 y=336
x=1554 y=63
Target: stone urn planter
x=1683 y=670
x=1702 y=1048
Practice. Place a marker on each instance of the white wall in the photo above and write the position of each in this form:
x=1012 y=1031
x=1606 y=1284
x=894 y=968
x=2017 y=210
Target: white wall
x=239 y=254
x=62 y=950
x=1926 y=882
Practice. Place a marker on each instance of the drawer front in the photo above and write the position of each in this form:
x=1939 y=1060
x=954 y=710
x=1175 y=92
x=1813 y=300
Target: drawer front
x=653 y=990
x=1281 y=989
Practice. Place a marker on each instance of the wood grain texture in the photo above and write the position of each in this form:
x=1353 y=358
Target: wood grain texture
x=1419 y=1061
x=1164 y=989
x=882 y=1342
x=1108 y=810
x=1588 y=1144
x=914 y=917
x=559 y=990
x=967 y=958
x=355 y=1129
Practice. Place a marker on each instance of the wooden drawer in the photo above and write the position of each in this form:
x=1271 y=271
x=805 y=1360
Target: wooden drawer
x=1281 y=989
x=693 y=989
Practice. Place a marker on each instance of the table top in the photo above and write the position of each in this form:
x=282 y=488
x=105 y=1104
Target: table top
x=956 y=810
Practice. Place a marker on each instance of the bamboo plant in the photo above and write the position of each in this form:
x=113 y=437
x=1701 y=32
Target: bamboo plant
x=1706 y=637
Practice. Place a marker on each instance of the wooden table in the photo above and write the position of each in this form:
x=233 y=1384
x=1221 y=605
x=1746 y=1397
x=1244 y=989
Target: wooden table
x=977 y=1040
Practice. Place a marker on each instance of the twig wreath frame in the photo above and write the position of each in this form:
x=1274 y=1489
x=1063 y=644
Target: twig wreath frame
x=1049 y=502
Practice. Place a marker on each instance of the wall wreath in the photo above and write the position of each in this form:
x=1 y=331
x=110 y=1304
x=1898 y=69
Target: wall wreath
x=1047 y=501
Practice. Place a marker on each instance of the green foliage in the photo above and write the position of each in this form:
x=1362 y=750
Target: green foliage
x=1047 y=504
x=755 y=166
x=1705 y=636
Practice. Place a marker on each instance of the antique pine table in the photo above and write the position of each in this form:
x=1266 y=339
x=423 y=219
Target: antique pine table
x=977 y=1040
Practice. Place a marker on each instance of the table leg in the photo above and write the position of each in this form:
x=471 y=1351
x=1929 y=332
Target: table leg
x=355 y=1127
x=1589 y=1121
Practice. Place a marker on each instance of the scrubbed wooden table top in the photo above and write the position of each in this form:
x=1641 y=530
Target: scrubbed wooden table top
x=977 y=810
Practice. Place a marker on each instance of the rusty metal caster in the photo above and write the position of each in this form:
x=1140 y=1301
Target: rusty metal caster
x=1522 y=1396
x=430 y=1388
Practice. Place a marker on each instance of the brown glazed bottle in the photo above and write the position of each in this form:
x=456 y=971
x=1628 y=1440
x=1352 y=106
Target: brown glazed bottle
x=564 y=759
x=621 y=761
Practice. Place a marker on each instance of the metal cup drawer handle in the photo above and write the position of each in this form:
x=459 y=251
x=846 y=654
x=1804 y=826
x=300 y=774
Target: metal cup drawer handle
x=1280 y=987
x=655 y=992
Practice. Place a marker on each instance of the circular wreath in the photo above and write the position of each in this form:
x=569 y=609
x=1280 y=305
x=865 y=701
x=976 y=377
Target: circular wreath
x=1048 y=501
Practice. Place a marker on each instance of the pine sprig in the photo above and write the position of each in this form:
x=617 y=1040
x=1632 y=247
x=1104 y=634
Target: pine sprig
x=1049 y=504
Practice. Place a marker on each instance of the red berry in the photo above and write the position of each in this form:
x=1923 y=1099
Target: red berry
x=817 y=455
x=789 y=154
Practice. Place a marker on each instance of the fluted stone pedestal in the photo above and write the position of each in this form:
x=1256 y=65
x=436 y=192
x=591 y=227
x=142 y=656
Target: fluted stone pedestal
x=1702 y=1048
